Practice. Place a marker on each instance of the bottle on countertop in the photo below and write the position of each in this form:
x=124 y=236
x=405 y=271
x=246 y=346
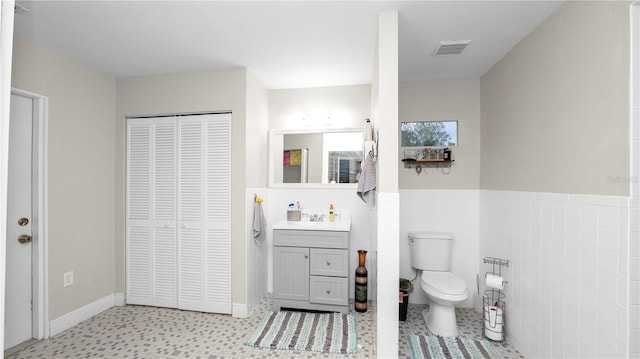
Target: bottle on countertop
x=331 y=215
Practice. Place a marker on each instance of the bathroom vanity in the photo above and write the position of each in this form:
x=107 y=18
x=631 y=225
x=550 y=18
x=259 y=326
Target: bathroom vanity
x=311 y=265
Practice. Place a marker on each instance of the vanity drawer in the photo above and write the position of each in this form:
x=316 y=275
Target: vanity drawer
x=328 y=290
x=299 y=238
x=329 y=262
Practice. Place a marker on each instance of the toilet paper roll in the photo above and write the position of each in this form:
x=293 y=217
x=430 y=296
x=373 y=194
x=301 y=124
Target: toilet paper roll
x=494 y=281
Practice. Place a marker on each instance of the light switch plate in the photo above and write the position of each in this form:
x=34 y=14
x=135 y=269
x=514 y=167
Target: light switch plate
x=67 y=279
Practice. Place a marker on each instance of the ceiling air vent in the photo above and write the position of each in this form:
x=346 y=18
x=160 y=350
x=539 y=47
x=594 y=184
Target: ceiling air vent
x=451 y=47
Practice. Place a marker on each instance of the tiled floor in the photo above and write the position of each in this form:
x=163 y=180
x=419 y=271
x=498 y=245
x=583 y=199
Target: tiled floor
x=470 y=325
x=149 y=332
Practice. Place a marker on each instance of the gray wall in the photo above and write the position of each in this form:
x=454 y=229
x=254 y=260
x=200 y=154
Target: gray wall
x=196 y=92
x=81 y=140
x=555 y=110
x=457 y=100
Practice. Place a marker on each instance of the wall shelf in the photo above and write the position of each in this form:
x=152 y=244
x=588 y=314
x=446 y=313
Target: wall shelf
x=439 y=163
x=427 y=163
x=424 y=160
x=428 y=158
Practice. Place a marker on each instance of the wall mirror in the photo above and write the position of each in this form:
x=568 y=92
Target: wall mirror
x=317 y=157
x=429 y=134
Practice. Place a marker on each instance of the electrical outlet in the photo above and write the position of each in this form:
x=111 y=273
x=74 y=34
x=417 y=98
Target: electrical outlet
x=67 y=279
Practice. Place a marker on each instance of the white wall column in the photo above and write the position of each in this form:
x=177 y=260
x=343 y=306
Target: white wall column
x=385 y=116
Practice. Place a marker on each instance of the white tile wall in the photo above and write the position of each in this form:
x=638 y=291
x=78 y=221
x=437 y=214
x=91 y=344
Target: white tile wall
x=387 y=296
x=257 y=255
x=567 y=293
x=634 y=256
x=454 y=211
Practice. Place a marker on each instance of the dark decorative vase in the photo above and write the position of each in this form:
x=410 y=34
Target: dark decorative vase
x=360 y=304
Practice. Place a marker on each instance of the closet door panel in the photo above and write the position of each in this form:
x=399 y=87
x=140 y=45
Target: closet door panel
x=190 y=208
x=151 y=242
x=218 y=214
x=139 y=233
x=204 y=206
x=164 y=212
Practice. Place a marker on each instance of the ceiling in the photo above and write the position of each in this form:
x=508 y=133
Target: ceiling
x=285 y=44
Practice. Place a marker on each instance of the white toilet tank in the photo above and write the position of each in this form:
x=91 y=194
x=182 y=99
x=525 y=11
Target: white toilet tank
x=430 y=251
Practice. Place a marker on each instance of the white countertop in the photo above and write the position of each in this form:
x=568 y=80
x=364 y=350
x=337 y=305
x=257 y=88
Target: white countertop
x=342 y=225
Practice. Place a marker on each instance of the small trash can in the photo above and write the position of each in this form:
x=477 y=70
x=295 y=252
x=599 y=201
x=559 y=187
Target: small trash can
x=403 y=299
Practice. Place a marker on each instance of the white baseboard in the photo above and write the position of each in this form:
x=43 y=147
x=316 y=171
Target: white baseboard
x=70 y=319
x=120 y=299
x=239 y=311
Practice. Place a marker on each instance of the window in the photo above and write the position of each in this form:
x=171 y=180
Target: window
x=429 y=133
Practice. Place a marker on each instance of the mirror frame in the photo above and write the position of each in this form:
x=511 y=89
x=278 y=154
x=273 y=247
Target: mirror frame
x=272 y=159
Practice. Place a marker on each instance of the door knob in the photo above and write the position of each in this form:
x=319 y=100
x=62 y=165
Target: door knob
x=24 y=238
x=23 y=221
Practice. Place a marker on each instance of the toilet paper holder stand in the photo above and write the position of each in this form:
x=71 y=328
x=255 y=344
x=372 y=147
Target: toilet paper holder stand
x=494 y=302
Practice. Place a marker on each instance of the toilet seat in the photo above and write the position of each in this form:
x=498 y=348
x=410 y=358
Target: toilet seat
x=443 y=283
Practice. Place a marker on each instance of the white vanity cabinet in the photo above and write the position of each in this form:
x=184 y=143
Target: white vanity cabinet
x=311 y=267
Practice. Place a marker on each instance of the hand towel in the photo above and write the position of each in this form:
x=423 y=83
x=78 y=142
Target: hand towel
x=259 y=222
x=367 y=182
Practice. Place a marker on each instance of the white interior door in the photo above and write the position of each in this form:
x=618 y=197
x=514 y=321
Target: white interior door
x=18 y=292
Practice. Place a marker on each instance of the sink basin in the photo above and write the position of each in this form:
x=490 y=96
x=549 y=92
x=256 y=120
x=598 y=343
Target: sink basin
x=343 y=225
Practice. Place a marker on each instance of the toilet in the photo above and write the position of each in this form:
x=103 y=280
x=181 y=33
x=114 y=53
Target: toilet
x=431 y=256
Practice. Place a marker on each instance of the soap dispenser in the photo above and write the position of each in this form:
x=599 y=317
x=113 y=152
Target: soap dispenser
x=331 y=215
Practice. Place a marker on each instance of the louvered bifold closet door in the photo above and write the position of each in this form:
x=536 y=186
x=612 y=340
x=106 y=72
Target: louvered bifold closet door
x=204 y=212
x=151 y=212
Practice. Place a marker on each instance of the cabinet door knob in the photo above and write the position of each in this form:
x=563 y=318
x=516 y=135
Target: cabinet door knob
x=328 y=291
x=328 y=263
x=306 y=256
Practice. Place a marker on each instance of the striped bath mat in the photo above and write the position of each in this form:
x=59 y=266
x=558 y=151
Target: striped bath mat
x=301 y=331
x=429 y=346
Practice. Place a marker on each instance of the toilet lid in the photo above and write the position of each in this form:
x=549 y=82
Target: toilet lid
x=444 y=282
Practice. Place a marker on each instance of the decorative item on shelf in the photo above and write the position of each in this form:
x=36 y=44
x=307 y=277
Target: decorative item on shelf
x=446 y=154
x=422 y=159
x=360 y=303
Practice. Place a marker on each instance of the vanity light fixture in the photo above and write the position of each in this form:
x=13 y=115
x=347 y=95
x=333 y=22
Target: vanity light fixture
x=446 y=48
x=314 y=120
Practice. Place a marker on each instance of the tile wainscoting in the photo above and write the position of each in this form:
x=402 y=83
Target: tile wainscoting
x=568 y=273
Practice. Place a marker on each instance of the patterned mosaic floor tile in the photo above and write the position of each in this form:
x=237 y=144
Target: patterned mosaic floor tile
x=470 y=325
x=140 y=332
